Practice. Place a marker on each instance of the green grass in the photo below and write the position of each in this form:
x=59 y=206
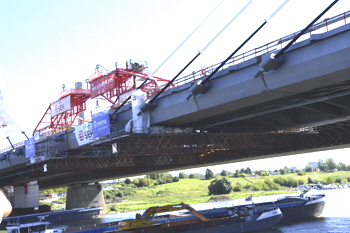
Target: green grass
x=196 y=190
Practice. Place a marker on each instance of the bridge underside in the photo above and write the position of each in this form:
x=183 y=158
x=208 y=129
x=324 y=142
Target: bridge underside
x=141 y=154
x=329 y=104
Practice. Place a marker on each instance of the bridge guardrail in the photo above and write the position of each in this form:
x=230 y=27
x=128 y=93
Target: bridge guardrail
x=325 y=25
x=10 y=147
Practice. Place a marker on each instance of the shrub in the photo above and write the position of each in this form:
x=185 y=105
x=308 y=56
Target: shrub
x=220 y=186
x=248 y=186
x=339 y=180
x=280 y=180
x=272 y=185
x=309 y=180
x=330 y=180
x=142 y=182
x=265 y=173
x=176 y=179
x=256 y=187
x=112 y=207
x=238 y=188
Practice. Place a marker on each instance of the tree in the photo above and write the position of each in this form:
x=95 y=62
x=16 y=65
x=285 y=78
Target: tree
x=322 y=165
x=143 y=182
x=342 y=167
x=236 y=175
x=176 y=179
x=165 y=179
x=183 y=175
x=153 y=176
x=191 y=176
x=220 y=186
x=156 y=176
x=248 y=171
x=258 y=172
x=209 y=174
x=136 y=181
x=224 y=173
x=331 y=165
x=308 y=168
x=288 y=170
x=127 y=181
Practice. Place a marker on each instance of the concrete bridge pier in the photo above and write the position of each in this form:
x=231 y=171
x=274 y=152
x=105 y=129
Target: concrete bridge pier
x=26 y=196
x=85 y=195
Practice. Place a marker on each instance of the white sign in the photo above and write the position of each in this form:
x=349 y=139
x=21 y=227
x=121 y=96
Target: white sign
x=60 y=106
x=83 y=133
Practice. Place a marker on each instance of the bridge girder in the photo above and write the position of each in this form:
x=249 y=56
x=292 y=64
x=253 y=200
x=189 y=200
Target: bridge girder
x=137 y=154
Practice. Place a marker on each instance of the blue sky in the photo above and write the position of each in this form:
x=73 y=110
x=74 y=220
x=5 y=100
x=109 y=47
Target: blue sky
x=45 y=44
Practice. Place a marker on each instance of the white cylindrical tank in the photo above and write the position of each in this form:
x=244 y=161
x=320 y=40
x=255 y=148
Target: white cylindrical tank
x=139 y=122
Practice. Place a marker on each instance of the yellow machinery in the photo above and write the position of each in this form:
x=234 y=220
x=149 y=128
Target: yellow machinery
x=146 y=219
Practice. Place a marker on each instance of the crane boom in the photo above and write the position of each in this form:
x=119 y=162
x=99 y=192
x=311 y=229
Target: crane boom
x=146 y=219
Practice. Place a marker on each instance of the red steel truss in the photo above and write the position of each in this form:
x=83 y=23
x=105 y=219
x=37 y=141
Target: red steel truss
x=121 y=81
x=62 y=114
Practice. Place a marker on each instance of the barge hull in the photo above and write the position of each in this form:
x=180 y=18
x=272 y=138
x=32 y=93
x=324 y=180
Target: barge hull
x=226 y=225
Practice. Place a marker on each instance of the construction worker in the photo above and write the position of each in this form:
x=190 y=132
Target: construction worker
x=5 y=206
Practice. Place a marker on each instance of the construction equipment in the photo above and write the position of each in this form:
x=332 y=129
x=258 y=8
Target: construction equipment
x=146 y=219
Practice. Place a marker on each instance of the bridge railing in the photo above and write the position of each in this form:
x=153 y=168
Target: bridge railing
x=10 y=147
x=324 y=26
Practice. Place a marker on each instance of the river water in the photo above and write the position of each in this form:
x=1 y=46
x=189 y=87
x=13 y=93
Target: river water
x=335 y=216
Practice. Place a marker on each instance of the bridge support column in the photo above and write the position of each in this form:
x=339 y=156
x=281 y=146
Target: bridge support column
x=85 y=195
x=26 y=196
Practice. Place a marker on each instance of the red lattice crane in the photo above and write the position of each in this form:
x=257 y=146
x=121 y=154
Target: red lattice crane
x=120 y=81
x=62 y=114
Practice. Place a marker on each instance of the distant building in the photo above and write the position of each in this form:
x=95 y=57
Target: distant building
x=312 y=164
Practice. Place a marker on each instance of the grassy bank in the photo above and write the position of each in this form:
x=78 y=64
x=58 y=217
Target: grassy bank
x=196 y=190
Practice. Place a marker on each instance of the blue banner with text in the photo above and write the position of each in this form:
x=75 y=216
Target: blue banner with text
x=100 y=124
x=30 y=147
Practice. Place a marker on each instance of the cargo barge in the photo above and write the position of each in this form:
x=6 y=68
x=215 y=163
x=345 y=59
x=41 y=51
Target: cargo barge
x=296 y=207
x=250 y=222
x=228 y=220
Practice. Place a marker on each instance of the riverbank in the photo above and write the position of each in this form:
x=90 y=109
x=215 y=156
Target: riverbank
x=122 y=198
x=193 y=191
